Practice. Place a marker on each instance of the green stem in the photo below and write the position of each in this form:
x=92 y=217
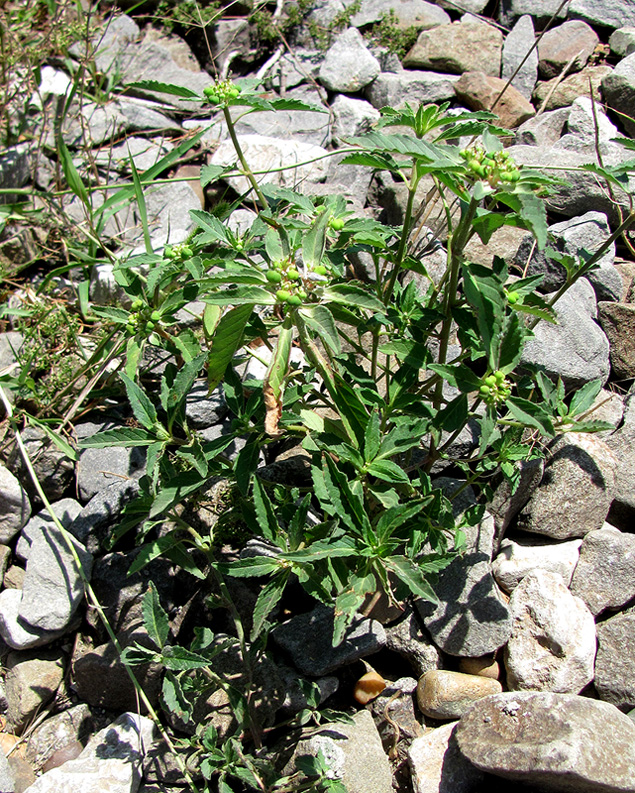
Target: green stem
x=405 y=235
x=246 y=169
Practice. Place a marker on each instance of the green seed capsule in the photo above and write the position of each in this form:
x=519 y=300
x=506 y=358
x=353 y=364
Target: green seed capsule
x=474 y=165
x=337 y=224
x=294 y=300
x=155 y=316
x=490 y=380
x=302 y=294
x=293 y=274
x=513 y=297
x=500 y=376
x=150 y=326
x=273 y=276
x=283 y=295
x=136 y=304
x=485 y=390
x=321 y=270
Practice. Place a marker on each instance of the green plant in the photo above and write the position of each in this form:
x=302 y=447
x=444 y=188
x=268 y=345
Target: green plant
x=395 y=37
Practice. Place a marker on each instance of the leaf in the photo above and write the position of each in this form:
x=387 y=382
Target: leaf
x=176 y=490
x=395 y=517
x=179 y=659
x=155 y=619
x=353 y=295
x=210 y=173
x=459 y=376
x=174 y=699
x=320 y=320
x=56 y=438
x=453 y=415
x=372 y=437
x=263 y=508
x=153 y=550
x=250 y=567
x=227 y=338
x=584 y=397
x=485 y=295
x=241 y=295
x=273 y=386
x=246 y=463
x=531 y=415
x=165 y=88
x=123 y=436
x=195 y=455
x=534 y=213
x=143 y=409
x=71 y=174
x=388 y=471
x=184 y=381
x=268 y=598
x=512 y=343
x=314 y=242
x=408 y=572
x=215 y=229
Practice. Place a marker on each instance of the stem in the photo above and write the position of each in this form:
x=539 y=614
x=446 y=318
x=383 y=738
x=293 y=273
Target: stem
x=246 y=169
x=405 y=234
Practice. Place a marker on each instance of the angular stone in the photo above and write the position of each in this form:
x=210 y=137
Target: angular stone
x=564 y=93
x=111 y=761
x=543 y=130
x=65 y=510
x=471 y=619
x=7 y=782
x=348 y=65
x=622 y=442
x=605 y=575
x=479 y=92
x=470 y=46
x=15 y=633
x=607 y=13
x=412 y=86
x=518 y=42
x=518 y=559
x=557 y=742
x=308 y=638
x=576 y=490
x=442 y=694
x=541 y=10
x=409 y=640
x=587 y=121
x=99 y=468
x=618 y=322
x=552 y=646
x=505 y=505
x=572 y=41
x=31 y=681
x=437 y=765
x=415 y=13
x=56 y=732
x=101 y=514
x=110 y=42
x=142 y=114
x=15 y=509
x=622 y=41
x=575 y=349
x=615 y=665
x=352 y=116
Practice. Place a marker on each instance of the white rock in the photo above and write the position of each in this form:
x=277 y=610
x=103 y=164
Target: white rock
x=18 y=635
x=553 y=641
x=348 y=65
x=437 y=766
x=15 y=508
x=352 y=116
x=517 y=559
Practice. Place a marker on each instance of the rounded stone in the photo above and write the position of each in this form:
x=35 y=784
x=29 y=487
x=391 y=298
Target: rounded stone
x=442 y=694
x=486 y=666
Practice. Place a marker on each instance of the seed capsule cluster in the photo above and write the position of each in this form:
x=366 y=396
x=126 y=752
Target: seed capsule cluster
x=288 y=282
x=221 y=92
x=140 y=319
x=178 y=253
x=491 y=167
x=496 y=388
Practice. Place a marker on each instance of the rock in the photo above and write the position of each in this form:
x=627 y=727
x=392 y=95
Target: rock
x=442 y=694
x=607 y=13
x=622 y=443
x=576 y=490
x=543 y=130
x=505 y=505
x=573 y=41
x=265 y=155
x=31 y=681
x=415 y=13
x=559 y=742
x=15 y=633
x=15 y=509
x=7 y=782
x=102 y=512
x=293 y=69
x=396 y=704
x=142 y=114
x=109 y=44
x=352 y=116
x=348 y=65
x=111 y=761
x=203 y=409
x=68 y=727
x=622 y=41
x=479 y=92
x=13 y=578
x=408 y=639
x=353 y=753
x=584 y=117
x=99 y=468
x=470 y=46
x=65 y=510
x=412 y=86
x=308 y=640
x=618 y=322
x=92 y=122
x=578 y=237
x=605 y=575
x=518 y=559
x=552 y=646
x=5 y=556
x=145 y=153
x=518 y=42
x=504 y=242
x=10 y=345
x=15 y=170
x=485 y=666
x=614 y=666
x=562 y=94
x=575 y=349
x=437 y=765
x=471 y=618
x=53 y=584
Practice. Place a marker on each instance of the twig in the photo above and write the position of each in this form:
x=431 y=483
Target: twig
x=559 y=79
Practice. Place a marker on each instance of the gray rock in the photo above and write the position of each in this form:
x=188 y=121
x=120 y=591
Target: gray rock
x=518 y=559
x=559 y=45
x=469 y=46
x=541 y=10
x=325 y=11
x=468 y=6
x=618 y=322
x=352 y=116
x=615 y=665
x=10 y=344
x=15 y=170
x=56 y=732
x=7 y=782
x=53 y=584
x=505 y=505
x=111 y=761
x=471 y=618
x=576 y=490
x=412 y=86
x=622 y=41
x=99 y=468
x=575 y=349
x=622 y=443
x=605 y=575
x=557 y=742
x=555 y=93
x=94 y=123
x=415 y=13
x=607 y=13
x=203 y=409
x=543 y=130
x=101 y=514
x=583 y=119
x=437 y=765
x=142 y=114
x=15 y=509
x=65 y=510
x=111 y=42
x=145 y=153
x=518 y=42
x=348 y=65
x=31 y=681
x=307 y=638
x=552 y=646
x=15 y=633
x=410 y=641
x=296 y=67
x=353 y=753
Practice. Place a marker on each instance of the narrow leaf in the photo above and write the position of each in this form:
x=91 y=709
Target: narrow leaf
x=227 y=338
x=143 y=409
x=155 y=619
x=268 y=598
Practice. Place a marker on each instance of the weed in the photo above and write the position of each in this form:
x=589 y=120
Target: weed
x=394 y=37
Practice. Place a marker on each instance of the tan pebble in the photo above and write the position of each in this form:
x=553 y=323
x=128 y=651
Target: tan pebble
x=8 y=741
x=60 y=756
x=447 y=695
x=368 y=687
x=485 y=666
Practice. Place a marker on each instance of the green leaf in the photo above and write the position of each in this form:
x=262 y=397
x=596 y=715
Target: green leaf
x=153 y=550
x=227 y=338
x=165 y=88
x=314 y=242
x=184 y=381
x=453 y=415
x=174 y=700
x=71 y=174
x=512 y=343
x=411 y=575
x=216 y=230
x=143 y=409
x=56 y=438
x=395 y=517
x=277 y=244
x=251 y=567
x=534 y=213
x=353 y=295
x=134 y=351
x=211 y=173
x=531 y=415
x=484 y=294
x=388 y=471
x=155 y=619
x=265 y=515
x=241 y=295
x=268 y=598
x=123 y=436
x=175 y=491
x=194 y=455
x=372 y=437
x=320 y=320
x=273 y=385
x=246 y=463
x=457 y=375
x=584 y=397
x=180 y=659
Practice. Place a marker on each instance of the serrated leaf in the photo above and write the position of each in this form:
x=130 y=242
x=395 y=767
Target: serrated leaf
x=143 y=409
x=314 y=241
x=246 y=463
x=123 y=436
x=584 y=397
x=251 y=567
x=175 y=491
x=174 y=700
x=267 y=600
x=388 y=471
x=530 y=414
x=241 y=295
x=265 y=515
x=180 y=659
x=215 y=228
x=184 y=381
x=227 y=338
x=353 y=295
x=211 y=173
x=534 y=213
x=512 y=343
x=320 y=320
x=411 y=575
x=372 y=437
x=165 y=88
x=155 y=620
